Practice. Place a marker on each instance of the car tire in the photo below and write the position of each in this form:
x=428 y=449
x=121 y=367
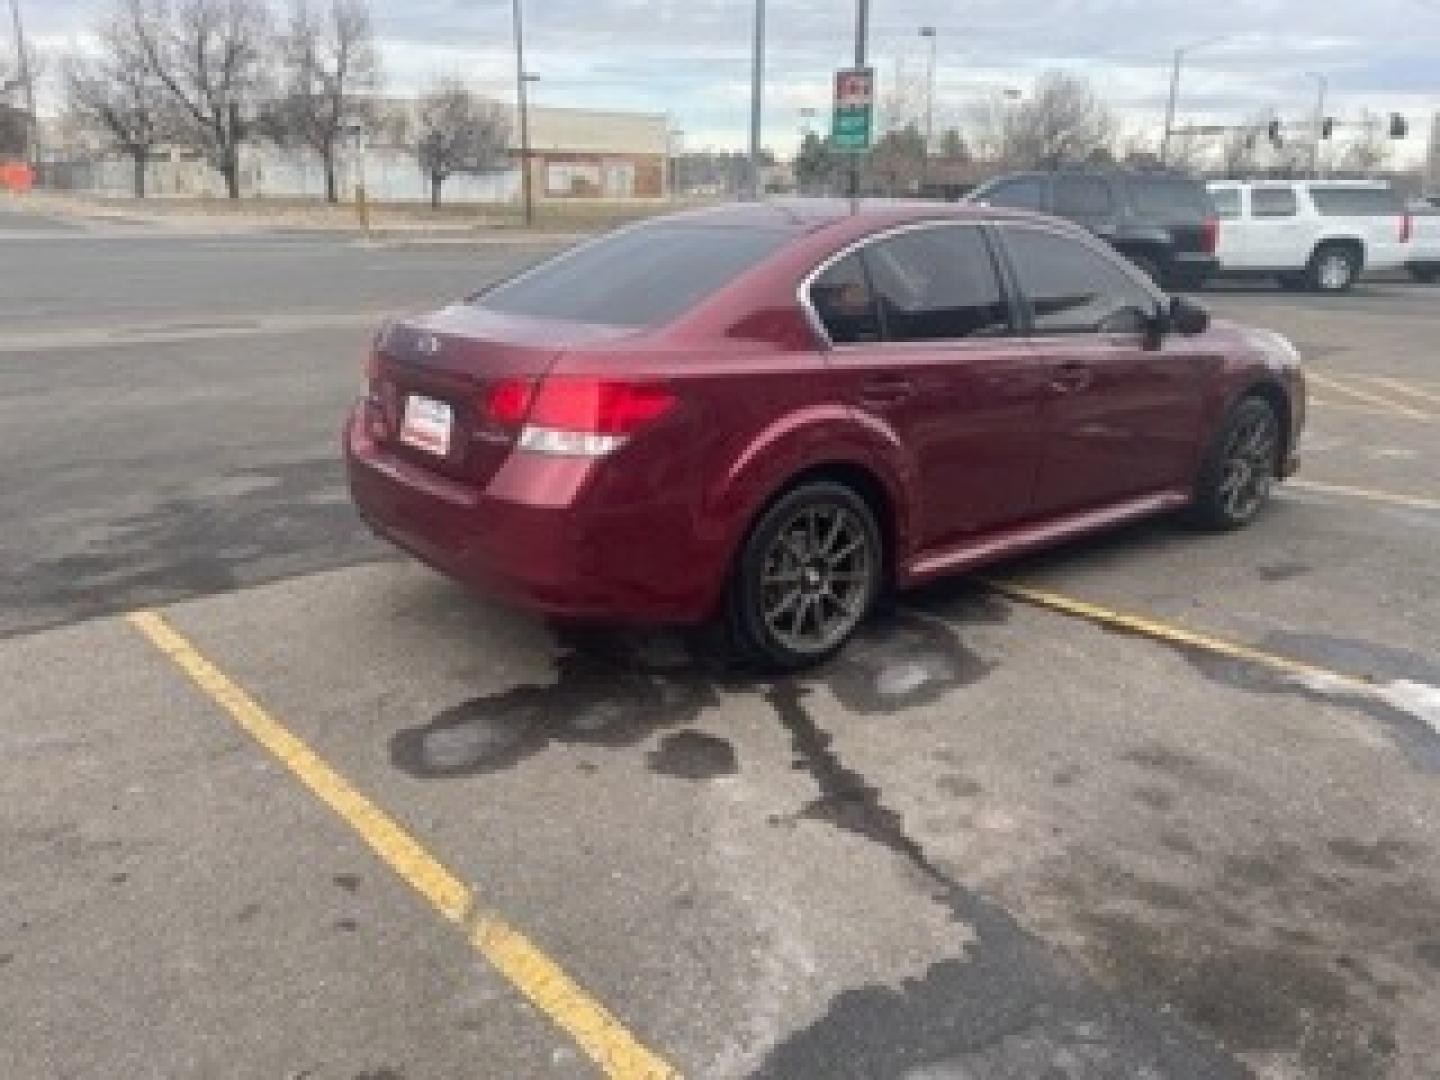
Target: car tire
x=805 y=578
x=1332 y=269
x=1238 y=472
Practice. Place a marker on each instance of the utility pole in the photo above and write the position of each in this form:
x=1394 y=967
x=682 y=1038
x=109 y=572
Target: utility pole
x=757 y=90
x=1322 y=82
x=521 y=78
x=928 y=32
x=32 y=130
x=862 y=34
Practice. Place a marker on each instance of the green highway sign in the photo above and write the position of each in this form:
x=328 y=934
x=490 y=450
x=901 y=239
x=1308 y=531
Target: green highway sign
x=851 y=123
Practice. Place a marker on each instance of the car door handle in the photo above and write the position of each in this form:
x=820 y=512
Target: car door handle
x=1071 y=378
x=886 y=390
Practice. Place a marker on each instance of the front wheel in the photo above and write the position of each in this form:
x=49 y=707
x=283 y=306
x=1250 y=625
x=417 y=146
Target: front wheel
x=1239 y=471
x=1332 y=269
x=806 y=577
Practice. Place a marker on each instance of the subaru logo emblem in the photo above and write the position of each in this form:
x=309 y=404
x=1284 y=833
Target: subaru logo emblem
x=428 y=344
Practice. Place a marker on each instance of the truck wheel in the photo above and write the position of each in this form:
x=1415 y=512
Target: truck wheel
x=1333 y=268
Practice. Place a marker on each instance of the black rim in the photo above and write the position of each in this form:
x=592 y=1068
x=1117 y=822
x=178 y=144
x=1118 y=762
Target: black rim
x=816 y=578
x=1249 y=466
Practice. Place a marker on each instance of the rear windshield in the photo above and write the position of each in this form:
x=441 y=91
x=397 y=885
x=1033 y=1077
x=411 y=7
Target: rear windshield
x=1169 y=197
x=1356 y=202
x=637 y=277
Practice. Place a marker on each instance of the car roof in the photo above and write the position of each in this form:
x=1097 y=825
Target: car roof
x=807 y=215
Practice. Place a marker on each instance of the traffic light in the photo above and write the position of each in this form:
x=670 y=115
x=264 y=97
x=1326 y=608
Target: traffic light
x=1326 y=127
x=1274 y=132
x=1399 y=128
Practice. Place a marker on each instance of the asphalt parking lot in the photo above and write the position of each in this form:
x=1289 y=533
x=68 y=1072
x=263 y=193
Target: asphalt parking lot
x=277 y=802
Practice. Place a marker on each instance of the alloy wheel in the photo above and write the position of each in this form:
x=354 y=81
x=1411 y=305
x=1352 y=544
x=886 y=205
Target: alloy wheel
x=1249 y=466
x=816 y=578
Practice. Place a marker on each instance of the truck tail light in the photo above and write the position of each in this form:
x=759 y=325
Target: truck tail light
x=575 y=416
x=1210 y=234
x=1407 y=226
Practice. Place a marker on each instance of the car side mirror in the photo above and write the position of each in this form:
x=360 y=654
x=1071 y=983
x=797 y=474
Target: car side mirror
x=1188 y=317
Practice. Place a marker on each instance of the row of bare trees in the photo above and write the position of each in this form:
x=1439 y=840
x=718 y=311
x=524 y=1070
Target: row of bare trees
x=215 y=74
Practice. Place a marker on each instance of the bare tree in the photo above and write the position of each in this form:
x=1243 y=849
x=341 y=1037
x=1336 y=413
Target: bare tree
x=1189 y=149
x=1062 y=121
x=1240 y=153
x=1370 y=149
x=457 y=132
x=118 y=93
x=212 y=57
x=332 y=69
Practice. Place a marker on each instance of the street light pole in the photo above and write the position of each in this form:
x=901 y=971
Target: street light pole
x=862 y=35
x=928 y=32
x=1322 y=83
x=32 y=131
x=1175 y=90
x=527 y=194
x=757 y=89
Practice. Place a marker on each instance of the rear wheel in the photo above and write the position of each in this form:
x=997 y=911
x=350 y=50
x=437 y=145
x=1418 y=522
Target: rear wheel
x=1333 y=269
x=1239 y=471
x=806 y=577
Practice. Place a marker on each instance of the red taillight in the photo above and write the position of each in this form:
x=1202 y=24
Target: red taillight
x=1407 y=225
x=1210 y=234
x=597 y=406
x=508 y=400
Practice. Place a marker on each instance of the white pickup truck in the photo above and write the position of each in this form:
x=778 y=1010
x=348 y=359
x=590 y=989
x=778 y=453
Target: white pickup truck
x=1317 y=234
x=1424 y=260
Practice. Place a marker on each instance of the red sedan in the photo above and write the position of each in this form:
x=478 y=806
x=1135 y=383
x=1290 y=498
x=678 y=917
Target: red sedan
x=771 y=412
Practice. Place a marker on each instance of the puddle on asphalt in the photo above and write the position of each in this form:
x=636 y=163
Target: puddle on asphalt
x=617 y=689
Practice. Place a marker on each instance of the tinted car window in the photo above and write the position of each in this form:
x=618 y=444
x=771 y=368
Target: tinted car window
x=1021 y=192
x=842 y=299
x=1356 y=202
x=937 y=283
x=1071 y=288
x=1272 y=202
x=1168 y=197
x=1082 y=196
x=1227 y=202
x=637 y=277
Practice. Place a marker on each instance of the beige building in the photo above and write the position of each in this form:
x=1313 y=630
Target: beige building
x=589 y=153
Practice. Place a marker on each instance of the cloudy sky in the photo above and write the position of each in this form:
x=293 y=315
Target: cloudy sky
x=690 y=58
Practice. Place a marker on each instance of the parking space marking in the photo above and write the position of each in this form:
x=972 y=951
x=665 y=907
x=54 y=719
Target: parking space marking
x=1414 y=502
x=1366 y=395
x=1179 y=635
x=1392 y=383
x=593 y=1028
x=1352 y=406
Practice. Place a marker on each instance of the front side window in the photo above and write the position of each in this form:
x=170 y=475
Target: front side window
x=844 y=304
x=1071 y=288
x=937 y=284
x=641 y=276
x=1227 y=201
x=1272 y=202
x=1082 y=196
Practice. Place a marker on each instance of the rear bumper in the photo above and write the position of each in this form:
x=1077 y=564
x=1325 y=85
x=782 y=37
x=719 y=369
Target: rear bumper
x=1197 y=263
x=530 y=537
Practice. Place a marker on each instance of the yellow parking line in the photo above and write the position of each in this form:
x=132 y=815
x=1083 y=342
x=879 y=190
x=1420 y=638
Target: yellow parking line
x=1414 y=502
x=1391 y=383
x=536 y=976
x=1177 y=635
x=1365 y=395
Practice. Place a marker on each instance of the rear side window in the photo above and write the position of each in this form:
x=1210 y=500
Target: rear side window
x=1082 y=196
x=1227 y=202
x=842 y=299
x=1021 y=192
x=1168 y=197
x=1356 y=202
x=1272 y=202
x=1071 y=288
x=937 y=284
x=637 y=277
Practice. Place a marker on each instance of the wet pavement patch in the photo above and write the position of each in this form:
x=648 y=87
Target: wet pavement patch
x=693 y=755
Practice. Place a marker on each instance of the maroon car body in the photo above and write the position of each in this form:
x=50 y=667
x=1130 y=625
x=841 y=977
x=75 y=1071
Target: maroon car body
x=608 y=471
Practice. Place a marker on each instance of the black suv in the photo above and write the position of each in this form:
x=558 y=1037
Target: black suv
x=1163 y=222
